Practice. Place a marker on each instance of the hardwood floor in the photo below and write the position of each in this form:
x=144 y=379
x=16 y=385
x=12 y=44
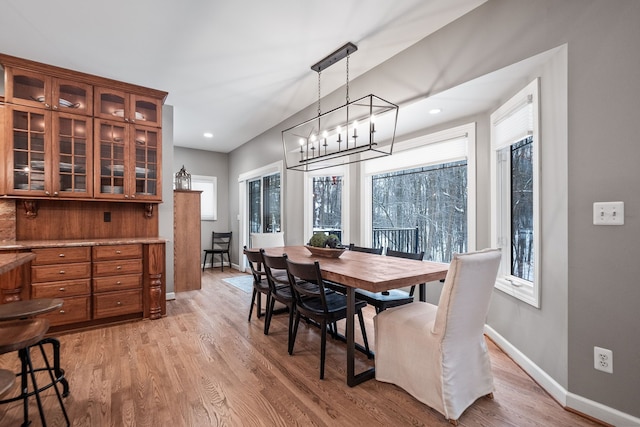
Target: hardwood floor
x=205 y=365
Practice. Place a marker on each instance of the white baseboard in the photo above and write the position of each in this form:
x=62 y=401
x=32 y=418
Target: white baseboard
x=169 y=296
x=558 y=392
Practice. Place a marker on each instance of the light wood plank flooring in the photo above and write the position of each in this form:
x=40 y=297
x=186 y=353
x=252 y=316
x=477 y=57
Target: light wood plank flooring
x=205 y=365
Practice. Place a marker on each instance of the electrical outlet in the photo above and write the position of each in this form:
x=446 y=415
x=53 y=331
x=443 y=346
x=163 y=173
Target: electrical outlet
x=603 y=359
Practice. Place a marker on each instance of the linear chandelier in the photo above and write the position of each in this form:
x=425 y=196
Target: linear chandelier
x=356 y=131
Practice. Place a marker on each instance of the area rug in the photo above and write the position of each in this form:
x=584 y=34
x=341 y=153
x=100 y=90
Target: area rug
x=244 y=283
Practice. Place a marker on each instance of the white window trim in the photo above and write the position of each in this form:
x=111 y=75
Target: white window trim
x=523 y=290
x=450 y=134
x=209 y=188
x=243 y=222
x=342 y=171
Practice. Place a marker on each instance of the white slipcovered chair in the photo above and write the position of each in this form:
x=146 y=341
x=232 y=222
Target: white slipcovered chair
x=267 y=240
x=438 y=354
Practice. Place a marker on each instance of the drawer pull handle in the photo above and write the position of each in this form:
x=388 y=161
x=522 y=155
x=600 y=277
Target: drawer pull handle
x=61 y=255
x=118 y=283
x=118 y=252
x=61 y=271
x=62 y=289
x=61 y=311
x=119 y=267
x=118 y=303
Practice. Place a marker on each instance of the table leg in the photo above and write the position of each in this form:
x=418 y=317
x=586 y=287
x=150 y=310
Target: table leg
x=353 y=379
x=422 y=292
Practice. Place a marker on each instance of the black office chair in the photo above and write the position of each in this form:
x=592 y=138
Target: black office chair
x=375 y=251
x=220 y=244
x=312 y=302
x=393 y=297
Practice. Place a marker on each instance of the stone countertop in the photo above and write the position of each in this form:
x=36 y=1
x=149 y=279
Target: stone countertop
x=32 y=244
x=9 y=261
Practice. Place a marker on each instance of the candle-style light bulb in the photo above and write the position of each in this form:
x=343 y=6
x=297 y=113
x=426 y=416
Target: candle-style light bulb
x=355 y=128
x=301 y=141
x=373 y=123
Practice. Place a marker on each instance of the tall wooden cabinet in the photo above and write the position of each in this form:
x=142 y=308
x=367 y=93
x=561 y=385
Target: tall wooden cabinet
x=187 y=243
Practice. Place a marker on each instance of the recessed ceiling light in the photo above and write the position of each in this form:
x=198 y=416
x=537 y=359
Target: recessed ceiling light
x=208 y=135
x=435 y=111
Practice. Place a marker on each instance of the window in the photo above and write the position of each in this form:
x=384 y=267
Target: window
x=515 y=194
x=326 y=204
x=422 y=198
x=208 y=197
x=264 y=204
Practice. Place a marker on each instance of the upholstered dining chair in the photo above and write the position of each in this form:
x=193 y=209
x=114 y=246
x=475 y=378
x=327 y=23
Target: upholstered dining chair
x=275 y=268
x=444 y=361
x=220 y=244
x=393 y=297
x=314 y=303
x=266 y=240
x=260 y=284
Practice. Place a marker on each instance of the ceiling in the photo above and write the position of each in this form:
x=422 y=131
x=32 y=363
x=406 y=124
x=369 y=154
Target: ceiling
x=232 y=68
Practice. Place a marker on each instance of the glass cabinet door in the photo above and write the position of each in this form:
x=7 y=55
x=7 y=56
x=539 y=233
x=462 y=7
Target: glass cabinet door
x=72 y=97
x=72 y=165
x=28 y=163
x=111 y=159
x=28 y=88
x=111 y=104
x=148 y=162
x=148 y=111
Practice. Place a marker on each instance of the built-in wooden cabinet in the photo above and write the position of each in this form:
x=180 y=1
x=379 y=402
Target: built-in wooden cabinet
x=70 y=135
x=63 y=273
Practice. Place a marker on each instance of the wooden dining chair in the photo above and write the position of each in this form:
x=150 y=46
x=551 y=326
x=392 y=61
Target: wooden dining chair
x=260 y=285
x=220 y=244
x=314 y=303
x=275 y=268
x=393 y=297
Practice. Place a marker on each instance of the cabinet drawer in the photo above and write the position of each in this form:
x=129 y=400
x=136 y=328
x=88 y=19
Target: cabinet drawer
x=102 y=253
x=118 y=267
x=61 y=289
x=117 y=283
x=117 y=303
x=62 y=272
x=61 y=255
x=74 y=309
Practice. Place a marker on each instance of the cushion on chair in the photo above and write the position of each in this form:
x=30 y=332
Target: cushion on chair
x=267 y=240
x=439 y=354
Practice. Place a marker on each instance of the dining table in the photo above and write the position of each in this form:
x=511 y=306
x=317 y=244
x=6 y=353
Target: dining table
x=374 y=273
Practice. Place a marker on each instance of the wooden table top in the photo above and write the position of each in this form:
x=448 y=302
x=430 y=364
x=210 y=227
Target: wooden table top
x=9 y=261
x=375 y=273
x=28 y=308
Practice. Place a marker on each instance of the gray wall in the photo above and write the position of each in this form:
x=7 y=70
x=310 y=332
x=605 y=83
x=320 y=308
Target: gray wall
x=165 y=209
x=208 y=163
x=589 y=290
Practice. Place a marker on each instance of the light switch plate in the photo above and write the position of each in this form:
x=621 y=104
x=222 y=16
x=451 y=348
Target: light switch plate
x=608 y=213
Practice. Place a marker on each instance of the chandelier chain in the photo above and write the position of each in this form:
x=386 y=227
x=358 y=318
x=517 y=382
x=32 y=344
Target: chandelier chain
x=348 y=78
x=319 y=111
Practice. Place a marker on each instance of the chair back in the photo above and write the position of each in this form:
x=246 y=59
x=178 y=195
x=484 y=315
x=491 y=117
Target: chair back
x=255 y=263
x=220 y=242
x=267 y=240
x=271 y=265
x=307 y=285
x=419 y=256
x=375 y=251
x=465 y=297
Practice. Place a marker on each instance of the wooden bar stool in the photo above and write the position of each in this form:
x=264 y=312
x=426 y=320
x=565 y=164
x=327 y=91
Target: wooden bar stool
x=20 y=336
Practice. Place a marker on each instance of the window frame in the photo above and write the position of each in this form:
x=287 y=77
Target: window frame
x=391 y=164
x=524 y=290
x=342 y=171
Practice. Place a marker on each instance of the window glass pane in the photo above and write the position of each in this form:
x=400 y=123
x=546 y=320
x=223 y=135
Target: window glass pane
x=271 y=200
x=522 y=258
x=254 y=207
x=327 y=205
x=422 y=209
